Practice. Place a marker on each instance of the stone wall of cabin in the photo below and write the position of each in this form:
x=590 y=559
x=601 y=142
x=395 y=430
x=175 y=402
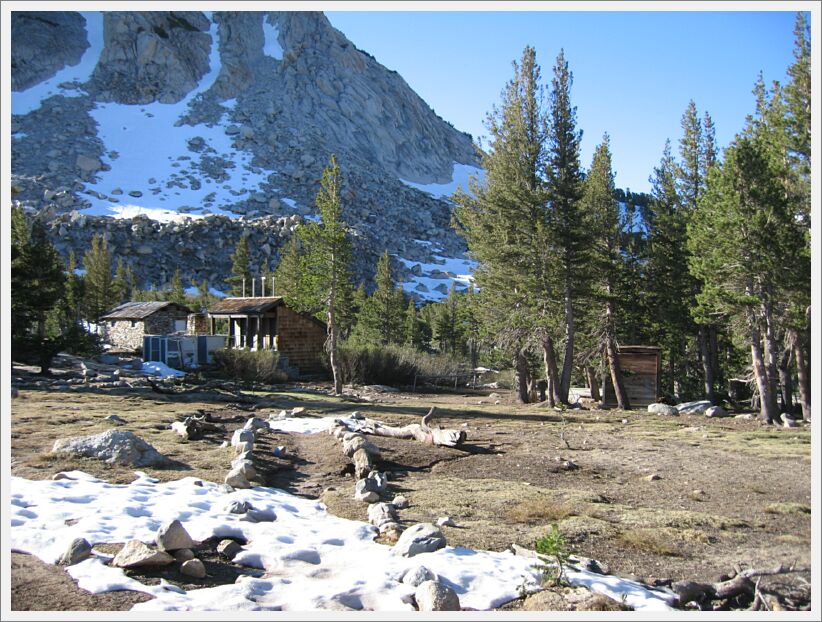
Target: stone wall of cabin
x=198 y=324
x=162 y=322
x=126 y=334
x=301 y=339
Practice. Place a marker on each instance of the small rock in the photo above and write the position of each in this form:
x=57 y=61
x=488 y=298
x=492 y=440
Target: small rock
x=255 y=423
x=242 y=435
x=183 y=555
x=228 y=549
x=115 y=419
x=787 y=422
x=716 y=411
x=77 y=551
x=693 y=408
x=193 y=568
x=662 y=409
x=260 y=516
x=746 y=417
x=236 y=478
x=224 y=444
x=135 y=554
x=400 y=502
x=445 y=521
x=420 y=538
x=173 y=537
x=368 y=496
x=297 y=411
x=238 y=507
x=59 y=476
x=624 y=421
x=653 y=477
x=417 y=575
x=592 y=565
x=436 y=596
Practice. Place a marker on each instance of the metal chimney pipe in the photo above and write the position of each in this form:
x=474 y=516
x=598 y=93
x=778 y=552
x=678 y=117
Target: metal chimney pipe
x=253 y=286
x=243 y=287
x=262 y=286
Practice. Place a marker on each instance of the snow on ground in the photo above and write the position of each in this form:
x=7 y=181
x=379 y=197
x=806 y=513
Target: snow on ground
x=159 y=214
x=459 y=179
x=193 y=291
x=312 y=559
x=272 y=46
x=25 y=101
x=162 y=171
x=436 y=278
x=157 y=368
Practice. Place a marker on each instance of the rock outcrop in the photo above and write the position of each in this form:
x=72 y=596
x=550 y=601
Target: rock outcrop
x=285 y=89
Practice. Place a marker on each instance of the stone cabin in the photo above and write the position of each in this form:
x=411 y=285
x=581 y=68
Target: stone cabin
x=267 y=323
x=127 y=324
x=640 y=367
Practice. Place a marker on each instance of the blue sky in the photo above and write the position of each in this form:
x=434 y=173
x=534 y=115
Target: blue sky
x=634 y=72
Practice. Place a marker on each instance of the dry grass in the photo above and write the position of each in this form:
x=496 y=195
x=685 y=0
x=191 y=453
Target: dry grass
x=534 y=511
x=788 y=508
x=648 y=541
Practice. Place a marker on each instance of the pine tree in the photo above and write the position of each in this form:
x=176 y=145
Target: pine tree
x=412 y=326
x=602 y=213
x=100 y=295
x=288 y=278
x=121 y=283
x=240 y=279
x=326 y=264
x=37 y=285
x=502 y=220
x=669 y=282
x=381 y=317
x=176 y=292
x=565 y=187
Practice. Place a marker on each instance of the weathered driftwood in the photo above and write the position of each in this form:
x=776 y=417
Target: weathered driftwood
x=418 y=431
x=741 y=584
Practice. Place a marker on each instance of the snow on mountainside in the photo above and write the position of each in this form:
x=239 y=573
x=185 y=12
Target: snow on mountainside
x=185 y=117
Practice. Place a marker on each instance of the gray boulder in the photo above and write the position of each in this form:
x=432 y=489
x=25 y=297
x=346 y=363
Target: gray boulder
x=114 y=447
x=662 y=409
x=237 y=479
x=135 y=554
x=77 y=551
x=693 y=408
x=436 y=596
x=243 y=435
x=421 y=538
x=228 y=549
x=183 y=555
x=173 y=537
x=418 y=575
x=716 y=411
x=238 y=507
x=193 y=568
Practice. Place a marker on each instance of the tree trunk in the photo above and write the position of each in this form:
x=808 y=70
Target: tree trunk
x=593 y=383
x=332 y=353
x=707 y=367
x=801 y=372
x=568 y=361
x=613 y=359
x=551 y=374
x=766 y=404
x=785 y=381
x=771 y=352
x=521 y=376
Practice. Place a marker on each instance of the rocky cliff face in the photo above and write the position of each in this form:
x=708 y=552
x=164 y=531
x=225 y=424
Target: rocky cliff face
x=183 y=116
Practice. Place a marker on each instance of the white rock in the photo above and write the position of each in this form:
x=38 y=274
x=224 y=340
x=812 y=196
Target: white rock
x=242 y=435
x=183 y=555
x=436 y=596
x=135 y=554
x=445 y=521
x=693 y=408
x=400 y=502
x=173 y=537
x=77 y=551
x=237 y=479
x=114 y=447
x=662 y=409
x=716 y=411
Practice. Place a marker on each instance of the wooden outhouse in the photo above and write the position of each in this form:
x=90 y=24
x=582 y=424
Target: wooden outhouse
x=267 y=323
x=640 y=374
x=127 y=324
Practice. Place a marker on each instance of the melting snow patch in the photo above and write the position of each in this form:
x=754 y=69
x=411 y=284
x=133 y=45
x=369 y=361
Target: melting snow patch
x=25 y=101
x=272 y=46
x=156 y=368
x=459 y=179
x=319 y=561
x=435 y=279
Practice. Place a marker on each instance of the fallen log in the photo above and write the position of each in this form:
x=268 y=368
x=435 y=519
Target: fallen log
x=740 y=584
x=418 y=431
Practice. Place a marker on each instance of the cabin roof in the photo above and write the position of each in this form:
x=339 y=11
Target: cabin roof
x=245 y=306
x=141 y=310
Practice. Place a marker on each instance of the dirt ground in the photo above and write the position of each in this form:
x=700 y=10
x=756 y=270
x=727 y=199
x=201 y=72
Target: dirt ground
x=652 y=497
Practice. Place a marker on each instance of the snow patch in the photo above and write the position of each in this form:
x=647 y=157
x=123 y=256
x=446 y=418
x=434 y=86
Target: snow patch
x=460 y=176
x=23 y=102
x=272 y=46
x=435 y=279
x=161 y=177
x=315 y=561
x=156 y=368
